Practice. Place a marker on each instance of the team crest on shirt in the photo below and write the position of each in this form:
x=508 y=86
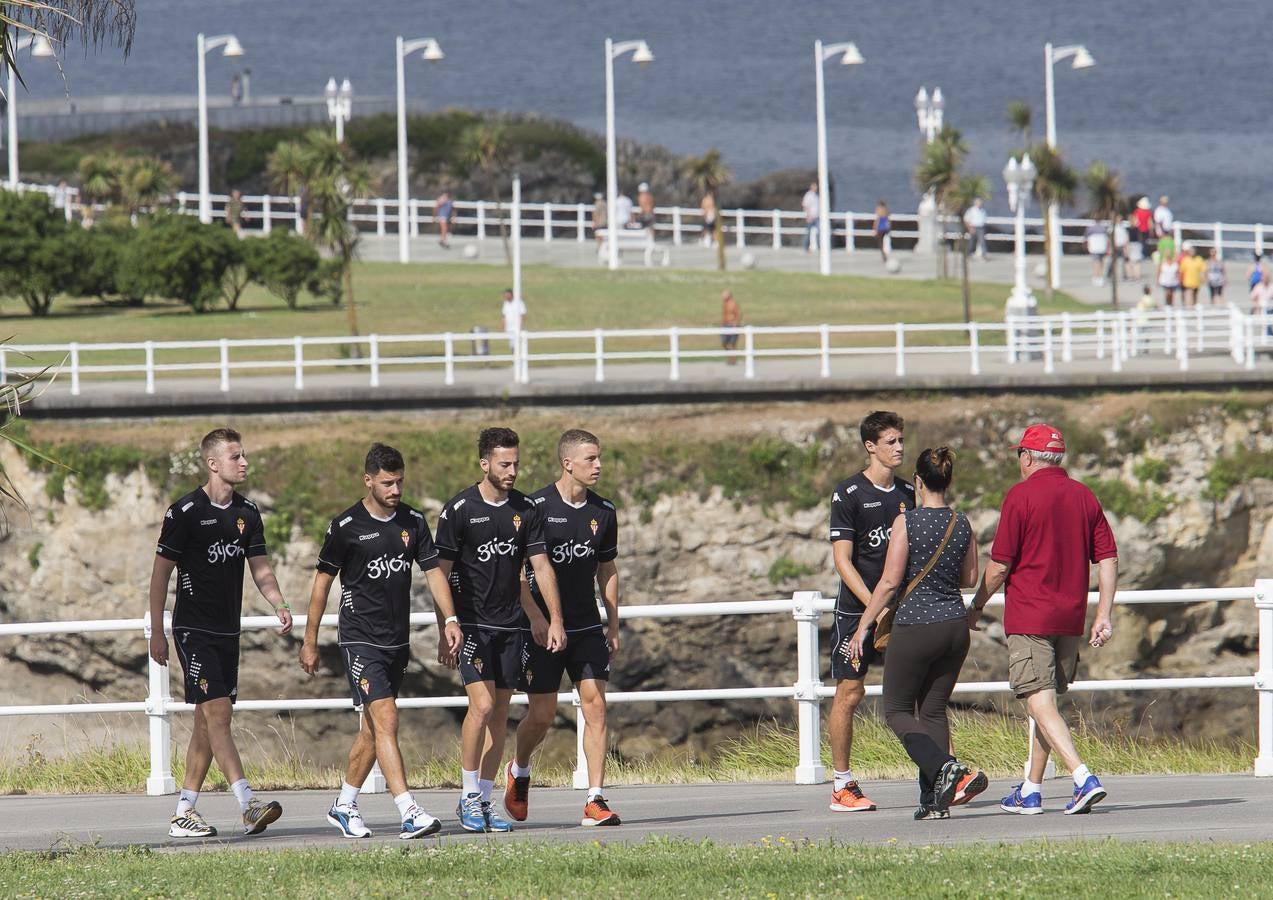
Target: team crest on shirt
x=203 y=685
x=365 y=685
x=593 y=526
x=517 y=522
x=241 y=525
x=406 y=538
x=901 y=507
x=477 y=662
x=530 y=676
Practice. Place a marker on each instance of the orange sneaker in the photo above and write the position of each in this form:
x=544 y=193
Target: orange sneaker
x=596 y=812
x=851 y=799
x=516 y=794
x=970 y=786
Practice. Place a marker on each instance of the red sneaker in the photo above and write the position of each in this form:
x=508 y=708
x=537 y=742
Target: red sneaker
x=970 y=786
x=516 y=794
x=596 y=812
x=851 y=799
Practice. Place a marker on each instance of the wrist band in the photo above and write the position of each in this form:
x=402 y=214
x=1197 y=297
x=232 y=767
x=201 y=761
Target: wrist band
x=449 y=619
x=283 y=605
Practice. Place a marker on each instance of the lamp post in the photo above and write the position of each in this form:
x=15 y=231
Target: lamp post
x=641 y=54
x=1019 y=178
x=40 y=48
x=432 y=52
x=850 y=57
x=1082 y=60
x=340 y=105
x=929 y=113
x=203 y=47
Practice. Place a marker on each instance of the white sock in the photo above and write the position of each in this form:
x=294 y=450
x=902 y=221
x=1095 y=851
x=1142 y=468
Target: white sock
x=843 y=778
x=593 y=793
x=484 y=787
x=242 y=793
x=1081 y=774
x=1029 y=787
x=186 y=801
x=468 y=782
x=519 y=772
x=348 y=794
x=404 y=802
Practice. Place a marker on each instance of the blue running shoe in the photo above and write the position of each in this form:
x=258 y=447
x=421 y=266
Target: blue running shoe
x=494 y=822
x=471 y=814
x=1085 y=797
x=349 y=820
x=1029 y=805
x=417 y=823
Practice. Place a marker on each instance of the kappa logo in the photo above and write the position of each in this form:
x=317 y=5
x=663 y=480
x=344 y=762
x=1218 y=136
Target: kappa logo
x=239 y=522
x=517 y=522
x=458 y=504
x=209 y=521
x=345 y=521
x=478 y=520
x=558 y=520
x=873 y=505
x=850 y=489
x=186 y=506
x=406 y=538
x=168 y=514
x=368 y=537
x=593 y=526
x=835 y=498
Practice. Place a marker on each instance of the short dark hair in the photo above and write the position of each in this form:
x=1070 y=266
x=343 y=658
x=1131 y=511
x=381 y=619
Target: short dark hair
x=382 y=458
x=936 y=468
x=218 y=436
x=490 y=438
x=878 y=422
x=573 y=438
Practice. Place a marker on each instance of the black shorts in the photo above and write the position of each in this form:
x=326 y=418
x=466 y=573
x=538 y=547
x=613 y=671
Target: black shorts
x=587 y=655
x=492 y=655
x=729 y=340
x=210 y=663
x=842 y=632
x=374 y=672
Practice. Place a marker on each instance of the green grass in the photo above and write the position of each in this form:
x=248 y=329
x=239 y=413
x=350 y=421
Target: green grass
x=658 y=867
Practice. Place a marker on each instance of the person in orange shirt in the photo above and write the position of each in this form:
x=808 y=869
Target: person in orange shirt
x=1193 y=269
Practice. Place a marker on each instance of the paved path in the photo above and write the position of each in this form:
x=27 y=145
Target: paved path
x=1142 y=808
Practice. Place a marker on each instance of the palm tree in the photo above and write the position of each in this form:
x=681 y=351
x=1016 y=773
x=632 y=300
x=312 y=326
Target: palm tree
x=91 y=22
x=143 y=182
x=963 y=193
x=1021 y=117
x=707 y=173
x=1054 y=183
x=1109 y=203
x=938 y=171
x=485 y=148
x=99 y=177
x=286 y=170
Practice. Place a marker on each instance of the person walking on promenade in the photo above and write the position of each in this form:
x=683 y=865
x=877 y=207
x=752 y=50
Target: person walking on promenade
x=933 y=552
x=1051 y=530
x=1143 y=216
x=709 y=212
x=731 y=318
x=1215 y=277
x=1133 y=253
x=598 y=217
x=1193 y=269
x=623 y=211
x=234 y=212
x=809 y=203
x=1262 y=294
x=645 y=207
x=1121 y=240
x=1164 y=220
x=444 y=212
x=514 y=311
x=1096 y=239
x=881 y=226
x=1168 y=271
x=975 y=222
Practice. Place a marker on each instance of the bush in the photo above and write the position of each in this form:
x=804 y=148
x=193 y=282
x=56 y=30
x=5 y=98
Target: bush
x=100 y=252
x=38 y=257
x=179 y=257
x=284 y=263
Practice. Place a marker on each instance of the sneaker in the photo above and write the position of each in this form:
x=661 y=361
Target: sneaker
x=469 y=809
x=516 y=794
x=1029 y=805
x=418 y=823
x=931 y=812
x=970 y=786
x=259 y=814
x=1085 y=797
x=349 y=820
x=494 y=821
x=190 y=824
x=947 y=782
x=597 y=812
x=851 y=799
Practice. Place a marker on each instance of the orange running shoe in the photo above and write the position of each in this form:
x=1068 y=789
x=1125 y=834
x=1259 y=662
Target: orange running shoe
x=851 y=799
x=970 y=786
x=516 y=794
x=596 y=812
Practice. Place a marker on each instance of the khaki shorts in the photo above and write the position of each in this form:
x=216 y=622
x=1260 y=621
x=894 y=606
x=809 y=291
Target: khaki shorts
x=1038 y=661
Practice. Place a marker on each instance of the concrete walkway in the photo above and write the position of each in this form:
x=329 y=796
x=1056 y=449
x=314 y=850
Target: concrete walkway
x=1141 y=808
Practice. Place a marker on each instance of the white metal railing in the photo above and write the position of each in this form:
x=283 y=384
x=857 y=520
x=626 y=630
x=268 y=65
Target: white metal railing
x=806 y=609
x=1115 y=338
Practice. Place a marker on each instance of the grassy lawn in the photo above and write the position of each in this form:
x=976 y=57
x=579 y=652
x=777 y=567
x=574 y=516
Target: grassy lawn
x=657 y=867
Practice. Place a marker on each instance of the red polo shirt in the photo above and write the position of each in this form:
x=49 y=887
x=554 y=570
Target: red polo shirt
x=1051 y=529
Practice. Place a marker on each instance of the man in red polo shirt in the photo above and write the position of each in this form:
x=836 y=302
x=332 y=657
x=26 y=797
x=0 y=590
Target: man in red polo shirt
x=1051 y=529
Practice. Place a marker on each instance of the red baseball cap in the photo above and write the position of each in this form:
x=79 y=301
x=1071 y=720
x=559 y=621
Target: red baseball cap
x=1042 y=438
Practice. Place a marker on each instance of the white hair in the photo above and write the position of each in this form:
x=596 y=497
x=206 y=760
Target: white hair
x=1047 y=457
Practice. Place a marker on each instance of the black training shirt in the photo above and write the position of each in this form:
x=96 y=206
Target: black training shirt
x=864 y=514
x=488 y=544
x=373 y=559
x=577 y=538
x=209 y=543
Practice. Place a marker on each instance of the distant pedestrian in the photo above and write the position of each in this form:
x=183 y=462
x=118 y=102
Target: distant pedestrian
x=707 y=208
x=1262 y=294
x=975 y=223
x=236 y=88
x=1144 y=219
x=444 y=213
x=598 y=216
x=1193 y=270
x=1164 y=221
x=1215 y=276
x=1144 y=306
x=731 y=318
x=1051 y=530
x=623 y=211
x=1169 y=278
x=234 y=212
x=514 y=312
x=1134 y=253
x=645 y=206
x=882 y=226
x=1096 y=239
x=812 y=212
x=1122 y=240
x=1257 y=269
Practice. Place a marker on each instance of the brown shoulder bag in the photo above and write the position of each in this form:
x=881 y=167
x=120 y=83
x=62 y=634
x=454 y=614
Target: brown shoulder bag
x=884 y=621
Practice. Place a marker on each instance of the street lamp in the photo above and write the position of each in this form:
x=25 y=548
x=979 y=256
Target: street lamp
x=640 y=51
x=1019 y=178
x=850 y=57
x=203 y=46
x=340 y=105
x=929 y=113
x=430 y=51
x=41 y=48
x=1082 y=60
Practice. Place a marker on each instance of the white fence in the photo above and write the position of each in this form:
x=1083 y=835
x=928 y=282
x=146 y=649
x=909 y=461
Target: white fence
x=1116 y=339
x=805 y=608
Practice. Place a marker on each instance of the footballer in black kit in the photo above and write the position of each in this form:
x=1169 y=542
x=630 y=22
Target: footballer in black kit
x=577 y=539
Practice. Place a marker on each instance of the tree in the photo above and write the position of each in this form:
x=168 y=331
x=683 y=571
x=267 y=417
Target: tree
x=284 y=263
x=1021 y=117
x=963 y=193
x=1055 y=183
x=178 y=256
x=135 y=183
x=708 y=172
x=287 y=169
x=1109 y=204
x=90 y=22
x=938 y=171
x=485 y=148
x=37 y=258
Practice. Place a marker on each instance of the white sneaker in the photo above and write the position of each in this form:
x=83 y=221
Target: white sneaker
x=349 y=820
x=190 y=824
x=418 y=823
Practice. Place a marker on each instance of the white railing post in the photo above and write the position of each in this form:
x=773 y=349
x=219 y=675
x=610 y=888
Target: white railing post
x=265 y=214
x=824 y=346
x=900 y=330
x=224 y=346
x=448 y=353
x=749 y=352
x=674 y=354
x=1067 y=338
x=299 y=362
x=300 y=220
x=1175 y=232
x=1264 y=678
x=1259 y=238
x=1048 y=366
x=150 y=367
x=380 y=217
x=1250 y=343
x=160 y=780
x=1182 y=341
x=804 y=609
x=740 y=233
x=974 y=349
x=75 y=369
x=1217 y=240
x=581 y=223
x=1117 y=364
x=1200 y=342
x=1100 y=334
x=1235 y=336
x=525 y=342
x=413 y=216
x=4 y=367
x=777 y=230
x=850 y=239
x=481 y=220
x=676 y=226
x=580 y=778
x=1126 y=324
x=1010 y=338
x=599 y=348
x=548 y=223
x=373 y=342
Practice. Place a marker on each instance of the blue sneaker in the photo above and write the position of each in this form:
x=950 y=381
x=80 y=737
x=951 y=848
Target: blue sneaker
x=1085 y=797
x=417 y=824
x=469 y=809
x=1028 y=805
x=494 y=822
x=349 y=820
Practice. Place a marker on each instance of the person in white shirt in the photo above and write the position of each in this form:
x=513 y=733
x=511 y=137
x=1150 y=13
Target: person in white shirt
x=975 y=222
x=809 y=203
x=1097 y=239
x=514 y=317
x=1163 y=218
x=622 y=211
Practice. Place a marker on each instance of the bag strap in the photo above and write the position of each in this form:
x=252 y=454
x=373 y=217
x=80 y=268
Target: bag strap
x=950 y=530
